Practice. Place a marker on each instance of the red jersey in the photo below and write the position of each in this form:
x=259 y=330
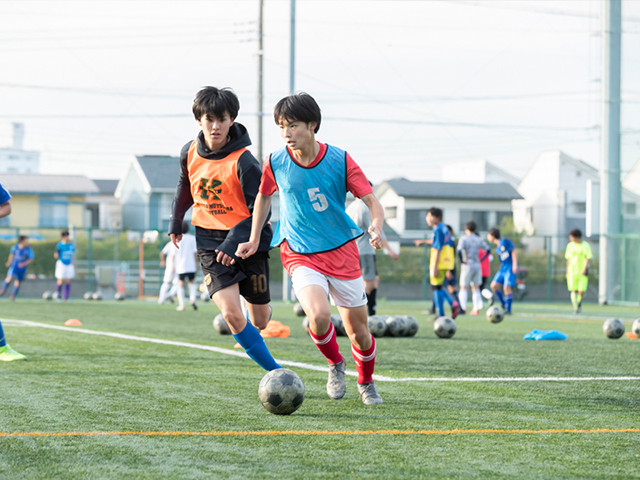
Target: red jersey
x=343 y=262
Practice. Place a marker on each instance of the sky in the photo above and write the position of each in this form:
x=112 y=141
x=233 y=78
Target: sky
x=404 y=86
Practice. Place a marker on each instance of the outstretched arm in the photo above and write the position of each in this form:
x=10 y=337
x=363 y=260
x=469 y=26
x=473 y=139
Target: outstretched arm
x=260 y=211
x=377 y=220
x=5 y=209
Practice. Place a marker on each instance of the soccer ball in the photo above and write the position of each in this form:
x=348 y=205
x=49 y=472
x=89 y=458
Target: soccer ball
x=97 y=296
x=47 y=295
x=55 y=295
x=305 y=324
x=495 y=314
x=204 y=296
x=281 y=391
x=397 y=326
x=635 y=328
x=613 y=328
x=445 y=327
x=412 y=325
x=220 y=325
x=378 y=325
x=119 y=296
x=297 y=309
x=338 y=324
x=88 y=296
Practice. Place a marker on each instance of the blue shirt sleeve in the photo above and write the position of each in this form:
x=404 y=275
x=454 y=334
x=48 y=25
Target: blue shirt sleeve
x=508 y=245
x=438 y=238
x=31 y=254
x=13 y=249
x=5 y=196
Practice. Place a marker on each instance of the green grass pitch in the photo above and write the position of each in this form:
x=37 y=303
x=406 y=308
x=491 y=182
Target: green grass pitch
x=77 y=382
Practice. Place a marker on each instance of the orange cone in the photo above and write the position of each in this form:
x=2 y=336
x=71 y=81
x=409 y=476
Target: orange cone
x=73 y=322
x=631 y=335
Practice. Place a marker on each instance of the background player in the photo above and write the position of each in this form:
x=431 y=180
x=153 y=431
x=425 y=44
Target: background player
x=506 y=277
x=186 y=263
x=20 y=256
x=65 y=269
x=222 y=177
x=359 y=213
x=7 y=354
x=578 y=254
x=169 y=285
x=451 y=279
x=471 y=271
x=317 y=237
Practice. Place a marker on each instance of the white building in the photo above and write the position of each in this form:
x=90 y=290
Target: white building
x=555 y=199
x=406 y=203
x=478 y=171
x=103 y=209
x=16 y=159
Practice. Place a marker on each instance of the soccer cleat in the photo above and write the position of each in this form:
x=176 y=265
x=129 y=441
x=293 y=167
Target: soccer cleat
x=473 y=312
x=579 y=309
x=12 y=297
x=8 y=354
x=180 y=308
x=369 y=394
x=455 y=310
x=336 y=385
x=195 y=307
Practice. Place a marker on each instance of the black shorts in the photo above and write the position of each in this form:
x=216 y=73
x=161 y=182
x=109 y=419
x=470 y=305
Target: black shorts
x=251 y=275
x=191 y=276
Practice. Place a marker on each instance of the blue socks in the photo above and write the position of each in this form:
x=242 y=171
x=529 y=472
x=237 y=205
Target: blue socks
x=253 y=343
x=508 y=300
x=447 y=296
x=438 y=298
x=500 y=296
x=5 y=285
x=3 y=341
x=14 y=292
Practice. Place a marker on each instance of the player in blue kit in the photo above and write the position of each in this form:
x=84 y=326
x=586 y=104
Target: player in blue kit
x=65 y=268
x=505 y=278
x=20 y=256
x=7 y=354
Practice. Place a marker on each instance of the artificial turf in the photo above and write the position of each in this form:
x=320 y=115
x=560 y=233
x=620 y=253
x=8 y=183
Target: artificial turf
x=75 y=382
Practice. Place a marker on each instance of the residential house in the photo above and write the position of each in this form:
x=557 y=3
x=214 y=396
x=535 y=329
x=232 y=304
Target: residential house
x=477 y=171
x=406 y=202
x=16 y=159
x=103 y=209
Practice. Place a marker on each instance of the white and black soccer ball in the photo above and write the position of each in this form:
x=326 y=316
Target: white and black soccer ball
x=281 y=391
x=613 y=328
x=204 y=295
x=378 y=325
x=391 y=325
x=338 y=324
x=297 y=309
x=220 y=325
x=55 y=295
x=635 y=328
x=495 y=313
x=88 y=295
x=396 y=326
x=96 y=296
x=445 y=327
x=305 y=324
x=119 y=296
x=412 y=325
x=47 y=295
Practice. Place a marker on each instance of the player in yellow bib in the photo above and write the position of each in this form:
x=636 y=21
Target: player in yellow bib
x=578 y=255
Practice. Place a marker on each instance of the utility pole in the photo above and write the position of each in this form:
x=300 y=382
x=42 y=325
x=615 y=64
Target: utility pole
x=260 y=80
x=292 y=49
x=610 y=185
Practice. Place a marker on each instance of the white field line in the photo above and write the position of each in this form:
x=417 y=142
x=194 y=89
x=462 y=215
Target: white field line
x=307 y=366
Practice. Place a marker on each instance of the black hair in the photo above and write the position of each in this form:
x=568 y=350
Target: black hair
x=495 y=233
x=215 y=101
x=576 y=233
x=301 y=107
x=435 y=212
x=21 y=238
x=65 y=233
x=471 y=226
x=450 y=229
x=185 y=227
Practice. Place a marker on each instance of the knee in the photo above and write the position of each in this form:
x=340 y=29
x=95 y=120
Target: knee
x=360 y=337
x=235 y=319
x=319 y=320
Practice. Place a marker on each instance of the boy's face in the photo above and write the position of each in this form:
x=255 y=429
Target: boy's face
x=431 y=220
x=491 y=238
x=574 y=239
x=215 y=130
x=297 y=134
x=65 y=238
x=24 y=242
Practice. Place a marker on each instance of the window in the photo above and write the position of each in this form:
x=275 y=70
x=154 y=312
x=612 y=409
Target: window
x=480 y=217
x=415 y=220
x=390 y=212
x=580 y=207
x=630 y=208
x=53 y=212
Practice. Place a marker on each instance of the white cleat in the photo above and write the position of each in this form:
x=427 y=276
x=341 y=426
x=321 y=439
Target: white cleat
x=369 y=394
x=336 y=385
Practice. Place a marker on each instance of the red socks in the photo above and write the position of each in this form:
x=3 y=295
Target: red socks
x=328 y=345
x=365 y=362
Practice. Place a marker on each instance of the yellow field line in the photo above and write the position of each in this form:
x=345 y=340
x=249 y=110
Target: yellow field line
x=241 y=433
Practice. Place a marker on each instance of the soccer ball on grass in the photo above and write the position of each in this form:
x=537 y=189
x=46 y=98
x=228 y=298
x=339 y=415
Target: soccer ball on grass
x=635 y=328
x=495 y=314
x=378 y=325
x=397 y=326
x=613 y=328
x=88 y=296
x=297 y=309
x=338 y=324
x=220 y=325
x=281 y=391
x=412 y=325
x=445 y=327
x=47 y=295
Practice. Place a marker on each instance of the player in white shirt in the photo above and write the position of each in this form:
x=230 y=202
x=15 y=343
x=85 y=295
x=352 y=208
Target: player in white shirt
x=169 y=286
x=186 y=265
